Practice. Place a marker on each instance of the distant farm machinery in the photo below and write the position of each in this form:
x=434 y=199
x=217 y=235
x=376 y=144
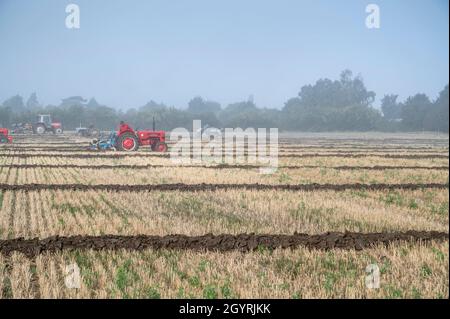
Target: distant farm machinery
x=89 y=131
x=22 y=128
x=5 y=138
x=129 y=140
x=45 y=124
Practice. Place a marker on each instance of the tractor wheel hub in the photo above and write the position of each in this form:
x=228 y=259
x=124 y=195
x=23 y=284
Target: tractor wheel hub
x=128 y=143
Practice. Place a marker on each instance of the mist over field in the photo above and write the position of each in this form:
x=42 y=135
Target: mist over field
x=256 y=149
x=295 y=65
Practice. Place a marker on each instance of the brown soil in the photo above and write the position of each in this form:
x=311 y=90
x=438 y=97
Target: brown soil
x=365 y=140
x=223 y=242
x=107 y=154
x=282 y=149
x=212 y=187
x=45 y=149
x=61 y=142
x=412 y=156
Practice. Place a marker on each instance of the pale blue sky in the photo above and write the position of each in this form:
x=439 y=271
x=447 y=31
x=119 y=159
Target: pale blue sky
x=128 y=52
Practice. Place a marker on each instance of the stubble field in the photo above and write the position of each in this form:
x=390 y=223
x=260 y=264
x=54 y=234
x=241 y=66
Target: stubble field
x=139 y=226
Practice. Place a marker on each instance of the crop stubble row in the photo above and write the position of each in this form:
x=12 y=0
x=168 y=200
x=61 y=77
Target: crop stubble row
x=212 y=187
x=219 y=166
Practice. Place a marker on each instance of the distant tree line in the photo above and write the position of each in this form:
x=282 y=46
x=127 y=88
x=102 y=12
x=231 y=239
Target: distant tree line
x=327 y=105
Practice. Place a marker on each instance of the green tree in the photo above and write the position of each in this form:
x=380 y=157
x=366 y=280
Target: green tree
x=391 y=109
x=102 y=117
x=437 y=117
x=73 y=100
x=198 y=106
x=14 y=103
x=442 y=110
x=414 y=110
x=246 y=115
x=5 y=116
x=92 y=103
x=32 y=101
x=329 y=105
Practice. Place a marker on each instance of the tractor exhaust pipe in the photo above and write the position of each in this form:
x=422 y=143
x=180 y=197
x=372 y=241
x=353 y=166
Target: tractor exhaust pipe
x=153 y=123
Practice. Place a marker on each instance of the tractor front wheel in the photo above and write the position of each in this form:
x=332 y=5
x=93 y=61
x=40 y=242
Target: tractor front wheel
x=160 y=147
x=127 y=142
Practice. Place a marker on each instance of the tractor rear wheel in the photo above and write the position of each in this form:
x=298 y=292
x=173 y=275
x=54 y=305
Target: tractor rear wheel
x=160 y=147
x=3 y=139
x=127 y=142
x=40 y=129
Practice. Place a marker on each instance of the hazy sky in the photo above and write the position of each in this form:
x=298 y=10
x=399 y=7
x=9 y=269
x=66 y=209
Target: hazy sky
x=128 y=52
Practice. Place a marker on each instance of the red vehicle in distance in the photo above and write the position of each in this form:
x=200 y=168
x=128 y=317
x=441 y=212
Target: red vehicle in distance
x=5 y=138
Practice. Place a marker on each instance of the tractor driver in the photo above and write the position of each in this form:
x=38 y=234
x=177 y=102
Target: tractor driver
x=124 y=127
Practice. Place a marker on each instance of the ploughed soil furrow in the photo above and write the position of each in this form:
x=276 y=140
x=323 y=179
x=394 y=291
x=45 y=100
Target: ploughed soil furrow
x=220 y=166
x=365 y=140
x=212 y=187
x=282 y=149
x=362 y=148
x=223 y=242
x=33 y=144
x=45 y=149
x=284 y=146
x=110 y=154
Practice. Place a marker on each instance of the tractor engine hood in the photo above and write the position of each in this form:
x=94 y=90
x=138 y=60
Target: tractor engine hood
x=143 y=135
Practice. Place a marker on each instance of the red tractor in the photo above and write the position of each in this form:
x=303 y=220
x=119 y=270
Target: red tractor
x=5 y=138
x=44 y=124
x=130 y=140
